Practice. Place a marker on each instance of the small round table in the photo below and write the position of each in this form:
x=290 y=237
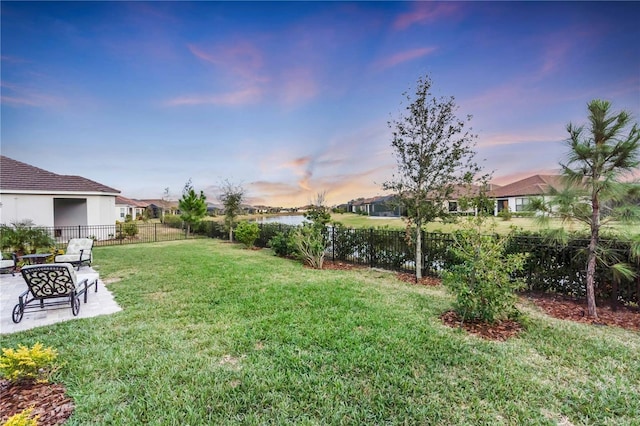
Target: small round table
x=35 y=258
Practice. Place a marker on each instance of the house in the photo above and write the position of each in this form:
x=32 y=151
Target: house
x=375 y=206
x=128 y=207
x=159 y=208
x=52 y=200
x=516 y=196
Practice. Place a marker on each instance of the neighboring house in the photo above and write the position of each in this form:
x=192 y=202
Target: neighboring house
x=128 y=207
x=375 y=206
x=516 y=196
x=159 y=208
x=52 y=200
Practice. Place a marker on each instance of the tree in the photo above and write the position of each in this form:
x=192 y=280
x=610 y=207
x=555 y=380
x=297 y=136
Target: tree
x=192 y=207
x=595 y=192
x=318 y=213
x=435 y=156
x=231 y=197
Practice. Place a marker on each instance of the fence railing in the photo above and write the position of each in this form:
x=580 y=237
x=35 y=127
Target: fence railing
x=549 y=267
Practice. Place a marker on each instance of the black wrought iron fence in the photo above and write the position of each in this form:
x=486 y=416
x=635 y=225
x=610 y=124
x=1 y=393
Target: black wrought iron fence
x=549 y=268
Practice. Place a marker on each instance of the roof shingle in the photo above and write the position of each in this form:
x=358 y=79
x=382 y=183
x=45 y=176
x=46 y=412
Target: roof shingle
x=533 y=185
x=18 y=176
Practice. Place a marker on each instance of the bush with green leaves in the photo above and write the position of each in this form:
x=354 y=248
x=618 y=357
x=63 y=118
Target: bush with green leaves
x=24 y=237
x=283 y=244
x=130 y=229
x=247 y=233
x=311 y=243
x=482 y=279
x=173 y=221
x=35 y=363
x=505 y=214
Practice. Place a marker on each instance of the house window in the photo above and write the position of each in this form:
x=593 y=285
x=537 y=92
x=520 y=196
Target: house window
x=453 y=206
x=521 y=204
x=122 y=212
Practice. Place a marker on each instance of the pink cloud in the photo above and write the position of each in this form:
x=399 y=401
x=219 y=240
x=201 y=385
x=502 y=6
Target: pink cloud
x=239 y=59
x=298 y=85
x=241 y=97
x=424 y=13
x=16 y=95
x=402 y=57
x=550 y=134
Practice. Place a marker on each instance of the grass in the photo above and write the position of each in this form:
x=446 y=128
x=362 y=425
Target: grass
x=211 y=333
x=502 y=226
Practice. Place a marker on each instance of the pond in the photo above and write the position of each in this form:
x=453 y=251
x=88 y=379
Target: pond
x=294 y=220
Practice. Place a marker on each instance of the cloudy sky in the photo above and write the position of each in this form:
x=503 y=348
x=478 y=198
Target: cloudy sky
x=290 y=99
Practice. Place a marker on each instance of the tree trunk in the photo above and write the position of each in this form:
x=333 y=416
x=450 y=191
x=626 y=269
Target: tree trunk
x=591 y=262
x=418 y=250
x=230 y=234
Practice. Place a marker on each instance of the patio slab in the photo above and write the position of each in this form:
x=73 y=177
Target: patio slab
x=100 y=303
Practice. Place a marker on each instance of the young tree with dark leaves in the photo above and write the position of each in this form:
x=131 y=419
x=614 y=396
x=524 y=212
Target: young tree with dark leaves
x=231 y=197
x=435 y=154
x=192 y=207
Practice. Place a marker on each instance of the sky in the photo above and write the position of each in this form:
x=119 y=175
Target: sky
x=293 y=99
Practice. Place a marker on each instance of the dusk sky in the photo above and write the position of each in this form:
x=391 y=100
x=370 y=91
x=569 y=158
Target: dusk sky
x=290 y=99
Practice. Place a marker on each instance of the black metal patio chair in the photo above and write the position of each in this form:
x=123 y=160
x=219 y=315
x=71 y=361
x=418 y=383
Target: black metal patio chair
x=51 y=285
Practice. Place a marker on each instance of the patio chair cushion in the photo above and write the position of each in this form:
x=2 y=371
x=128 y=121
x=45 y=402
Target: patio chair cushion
x=6 y=263
x=75 y=247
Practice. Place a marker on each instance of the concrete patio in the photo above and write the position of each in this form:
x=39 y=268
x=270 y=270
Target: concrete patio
x=100 y=303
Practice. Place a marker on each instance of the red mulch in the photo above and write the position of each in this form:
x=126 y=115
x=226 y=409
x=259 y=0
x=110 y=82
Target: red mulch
x=47 y=399
x=501 y=330
x=567 y=308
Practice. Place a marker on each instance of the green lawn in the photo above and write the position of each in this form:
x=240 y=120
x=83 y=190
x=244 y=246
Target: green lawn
x=502 y=226
x=211 y=333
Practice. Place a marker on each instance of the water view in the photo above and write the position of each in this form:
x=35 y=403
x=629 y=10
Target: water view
x=294 y=220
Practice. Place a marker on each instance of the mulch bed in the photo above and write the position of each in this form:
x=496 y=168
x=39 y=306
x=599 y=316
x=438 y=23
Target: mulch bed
x=571 y=309
x=501 y=330
x=48 y=400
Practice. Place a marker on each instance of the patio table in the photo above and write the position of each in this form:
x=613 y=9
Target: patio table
x=35 y=258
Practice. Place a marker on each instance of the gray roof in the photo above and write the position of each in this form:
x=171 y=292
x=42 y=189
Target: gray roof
x=18 y=176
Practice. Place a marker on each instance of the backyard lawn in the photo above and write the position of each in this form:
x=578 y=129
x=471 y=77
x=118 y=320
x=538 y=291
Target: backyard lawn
x=211 y=333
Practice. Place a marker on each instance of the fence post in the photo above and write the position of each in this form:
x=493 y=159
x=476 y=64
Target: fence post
x=155 y=232
x=422 y=253
x=333 y=243
x=371 y=261
x=79 y=235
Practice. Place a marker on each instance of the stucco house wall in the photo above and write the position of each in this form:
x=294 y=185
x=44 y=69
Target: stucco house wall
x=52 y=200
x=516 y=195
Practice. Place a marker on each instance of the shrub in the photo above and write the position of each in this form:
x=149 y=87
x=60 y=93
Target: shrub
x=247 y=233
x=130 y=229
x=23 y=237
x=310 y=244
x=23 y=418
x=505 y=214
x=173 y=221
x=27 y=364
x=283 y=244
x=481 y=281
